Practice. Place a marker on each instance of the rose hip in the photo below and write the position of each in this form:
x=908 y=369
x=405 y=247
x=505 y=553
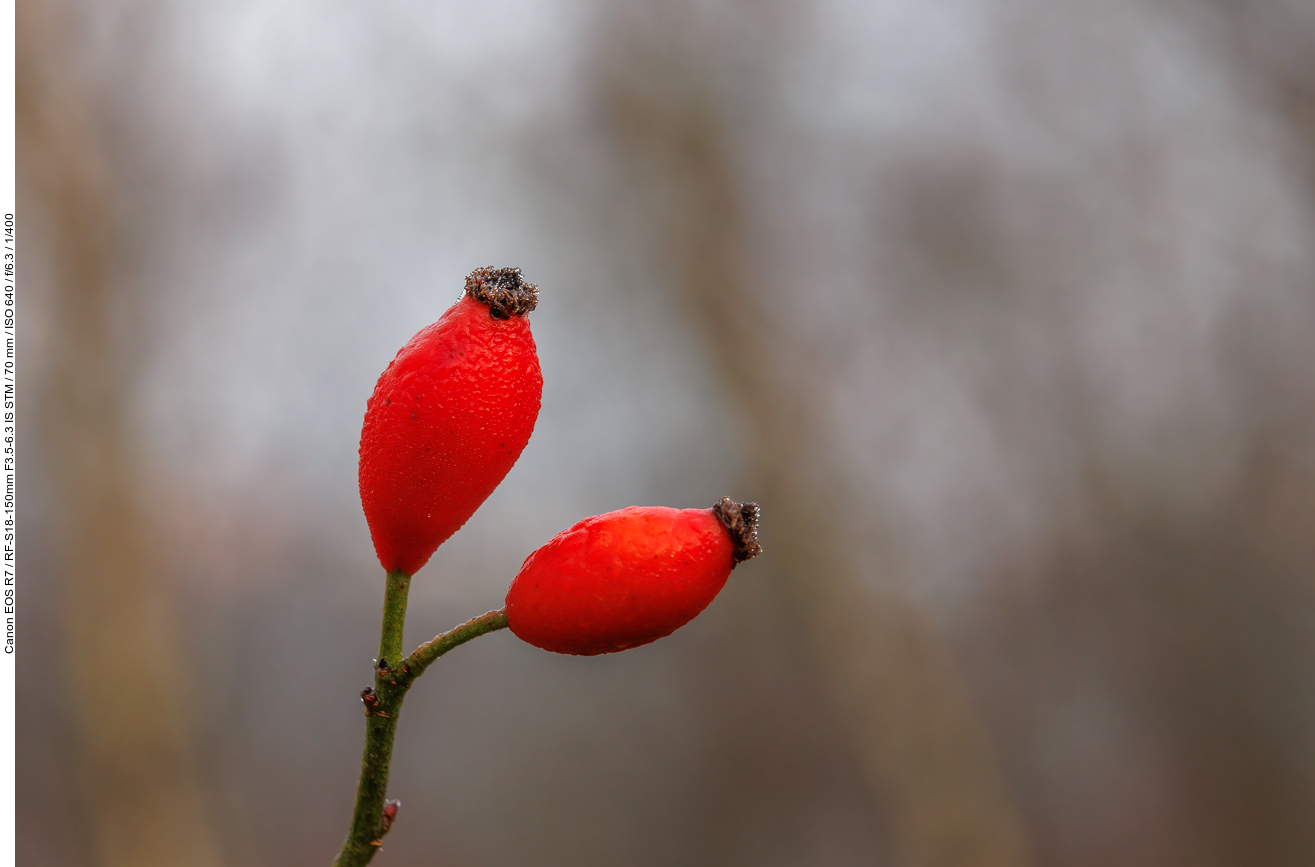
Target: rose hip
x=448 y=418
x=619 y=580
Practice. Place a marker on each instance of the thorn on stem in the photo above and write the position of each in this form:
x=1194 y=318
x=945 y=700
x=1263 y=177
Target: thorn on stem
x=371 y=700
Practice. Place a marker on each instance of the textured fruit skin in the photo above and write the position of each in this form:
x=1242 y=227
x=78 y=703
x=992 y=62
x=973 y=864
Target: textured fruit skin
x=448 y=418
x=616 y=581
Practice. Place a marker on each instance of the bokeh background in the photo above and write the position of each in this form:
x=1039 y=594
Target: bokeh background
x=1003 y=309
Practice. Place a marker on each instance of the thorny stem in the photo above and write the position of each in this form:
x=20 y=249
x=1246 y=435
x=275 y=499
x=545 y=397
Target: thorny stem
x=383 y=703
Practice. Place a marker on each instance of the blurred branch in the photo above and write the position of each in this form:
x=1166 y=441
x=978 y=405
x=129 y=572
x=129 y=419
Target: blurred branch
x=125 y=672
x=924 y=751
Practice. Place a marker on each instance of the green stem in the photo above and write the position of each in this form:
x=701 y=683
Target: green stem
x=390 y=636
x=426 y=653
x=383 y=704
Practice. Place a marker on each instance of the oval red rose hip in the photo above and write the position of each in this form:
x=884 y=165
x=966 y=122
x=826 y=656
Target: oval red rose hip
x=626 y=578
x=448 y=418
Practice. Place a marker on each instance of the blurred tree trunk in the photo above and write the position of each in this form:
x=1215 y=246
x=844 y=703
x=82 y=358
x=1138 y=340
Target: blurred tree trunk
x=924 y=751
x=126 y=677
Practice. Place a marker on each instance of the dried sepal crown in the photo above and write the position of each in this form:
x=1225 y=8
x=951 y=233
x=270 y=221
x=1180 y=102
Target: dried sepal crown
x=741 y=521
x=504 y=290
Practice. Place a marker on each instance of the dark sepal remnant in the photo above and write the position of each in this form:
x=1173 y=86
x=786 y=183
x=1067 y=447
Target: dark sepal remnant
x=741 y=521
x=504 y=290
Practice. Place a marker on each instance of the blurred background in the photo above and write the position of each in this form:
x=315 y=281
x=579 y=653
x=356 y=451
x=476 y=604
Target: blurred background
x=1003 y=310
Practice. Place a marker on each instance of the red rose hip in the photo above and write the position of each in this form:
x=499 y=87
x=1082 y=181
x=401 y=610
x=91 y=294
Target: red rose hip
x=626 y=578
x=448 y=418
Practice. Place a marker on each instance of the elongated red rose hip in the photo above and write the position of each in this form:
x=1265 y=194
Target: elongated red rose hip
x=448 y=418
x=616 y=581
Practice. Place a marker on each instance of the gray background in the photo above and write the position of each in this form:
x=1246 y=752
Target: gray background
x=1002 y=310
